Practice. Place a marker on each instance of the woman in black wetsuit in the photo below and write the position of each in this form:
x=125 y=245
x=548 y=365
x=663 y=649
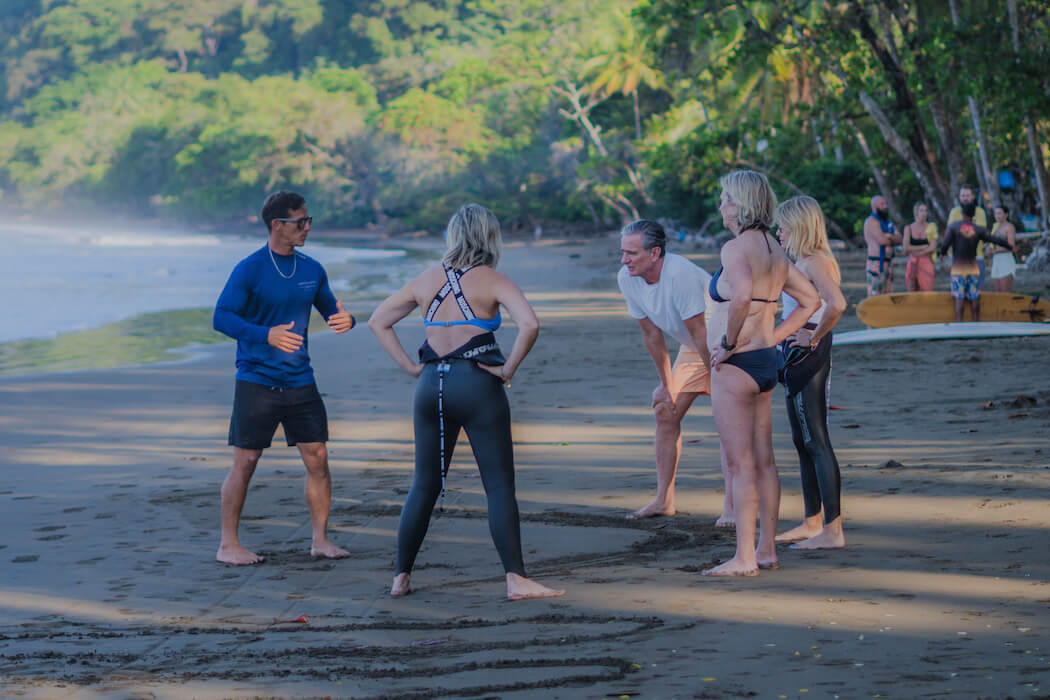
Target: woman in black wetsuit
x=742 y=335
x=462 y=374
x=805 y=358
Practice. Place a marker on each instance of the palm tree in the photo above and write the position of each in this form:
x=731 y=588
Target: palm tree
x=624 y=67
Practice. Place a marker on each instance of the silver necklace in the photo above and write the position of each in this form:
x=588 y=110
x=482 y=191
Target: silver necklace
x=295 y=262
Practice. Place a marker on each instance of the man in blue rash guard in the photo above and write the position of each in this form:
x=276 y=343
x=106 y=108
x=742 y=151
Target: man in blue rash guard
x=265 y=307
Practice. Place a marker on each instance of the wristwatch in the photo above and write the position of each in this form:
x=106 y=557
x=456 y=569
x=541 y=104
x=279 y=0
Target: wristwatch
x=726 y=345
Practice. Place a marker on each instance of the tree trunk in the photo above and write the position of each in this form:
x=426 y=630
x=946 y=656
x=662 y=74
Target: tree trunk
x=816 y=137
x=991 y=182
x=637 y=117
x=880 y=179
x=936 y=196
x=950 y=143
x=839 y=157
x=1034 y=150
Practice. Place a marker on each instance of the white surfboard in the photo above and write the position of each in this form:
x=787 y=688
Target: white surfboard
x=942 y=331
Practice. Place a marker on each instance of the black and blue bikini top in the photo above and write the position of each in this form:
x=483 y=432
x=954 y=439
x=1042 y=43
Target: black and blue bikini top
x=712 y=287
x=452 y=286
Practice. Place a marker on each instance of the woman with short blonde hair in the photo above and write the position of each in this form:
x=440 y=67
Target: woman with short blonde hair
x=742 y=335
x=461 y=377
x=805 y=359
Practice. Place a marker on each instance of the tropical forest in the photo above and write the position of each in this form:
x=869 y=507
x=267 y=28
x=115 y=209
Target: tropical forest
x=585 y=113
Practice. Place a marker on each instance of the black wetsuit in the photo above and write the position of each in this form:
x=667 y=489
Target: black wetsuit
x=805 y=375
x=453 y=393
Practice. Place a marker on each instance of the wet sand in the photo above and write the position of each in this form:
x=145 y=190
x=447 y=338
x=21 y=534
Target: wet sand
x=109 y=513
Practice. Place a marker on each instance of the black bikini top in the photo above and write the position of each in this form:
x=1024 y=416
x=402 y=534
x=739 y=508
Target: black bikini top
x=712 y=287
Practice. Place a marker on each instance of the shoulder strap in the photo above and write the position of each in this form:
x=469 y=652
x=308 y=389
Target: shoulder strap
x=451 y=286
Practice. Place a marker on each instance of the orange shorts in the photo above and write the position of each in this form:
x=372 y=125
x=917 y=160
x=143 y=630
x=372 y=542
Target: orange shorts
x=689 y=373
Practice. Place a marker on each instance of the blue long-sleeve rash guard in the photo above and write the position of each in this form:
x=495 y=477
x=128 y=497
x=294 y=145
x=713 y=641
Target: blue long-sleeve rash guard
x=256 y=298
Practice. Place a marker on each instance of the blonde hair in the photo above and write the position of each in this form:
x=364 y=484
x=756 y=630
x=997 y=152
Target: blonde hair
x=803 y=217
x=473 y=238
x=915 y=209
x=754 y=198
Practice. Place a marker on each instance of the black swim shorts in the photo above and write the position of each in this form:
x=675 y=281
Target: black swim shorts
x=257 y=409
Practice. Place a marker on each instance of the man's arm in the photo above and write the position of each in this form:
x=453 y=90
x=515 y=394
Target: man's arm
x=227 y=318
x=653 y=338
x=949 y=238
x=697 y=328
x=998 y=240
x=873 y=233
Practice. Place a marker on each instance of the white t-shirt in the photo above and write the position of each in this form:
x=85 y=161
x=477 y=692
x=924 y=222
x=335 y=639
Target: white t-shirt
x=678 y=295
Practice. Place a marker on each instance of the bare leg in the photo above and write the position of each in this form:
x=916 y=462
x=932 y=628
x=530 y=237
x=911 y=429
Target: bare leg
x=1008 y=284
x=831 y=537
x=733 y=396
x=959 y=310
x=234 y=489
x=401 y=586
x=318 y=491
x=521 y=588
x=975 y=309
x=668 y=445
x=727 y=519
x=808 y=528
x=768 y=480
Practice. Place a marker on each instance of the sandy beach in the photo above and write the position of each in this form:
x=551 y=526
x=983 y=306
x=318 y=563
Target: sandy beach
x=110 y=503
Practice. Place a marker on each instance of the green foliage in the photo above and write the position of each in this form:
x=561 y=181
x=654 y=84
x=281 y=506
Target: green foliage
x=394 y=112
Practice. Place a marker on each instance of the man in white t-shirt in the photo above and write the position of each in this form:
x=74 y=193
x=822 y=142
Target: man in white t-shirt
x=665 y=293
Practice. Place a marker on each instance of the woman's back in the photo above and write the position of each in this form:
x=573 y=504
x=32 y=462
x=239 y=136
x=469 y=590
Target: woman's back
x=448 y=326
x=766 y=266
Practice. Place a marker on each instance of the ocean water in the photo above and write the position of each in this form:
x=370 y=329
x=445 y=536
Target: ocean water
x=58 y=280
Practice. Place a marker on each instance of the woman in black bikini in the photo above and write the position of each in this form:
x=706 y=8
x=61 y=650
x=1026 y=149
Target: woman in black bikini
x=461 y=378
x=743 y=340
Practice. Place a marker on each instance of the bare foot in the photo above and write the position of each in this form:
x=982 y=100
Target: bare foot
x=237 y=555
x=771 y=564
x=726 y=520
x=521 y=588
x=653 y=510
x=400 y=586
x=801 y=532
x=733 y=567
x=826 y=539
x=327 y=550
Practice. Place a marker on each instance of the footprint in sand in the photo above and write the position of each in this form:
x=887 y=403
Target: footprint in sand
x=74 y=509
x=25 y=559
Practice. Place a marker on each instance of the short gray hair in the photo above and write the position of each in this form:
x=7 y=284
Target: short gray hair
x=473 y=238
x=653 y=234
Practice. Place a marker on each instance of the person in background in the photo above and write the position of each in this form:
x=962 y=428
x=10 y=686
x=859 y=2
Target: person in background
x=1004 y=266
x=805 y=358
x=920 y=243
x=962 y=237
x=980 y=218
x=880 y=238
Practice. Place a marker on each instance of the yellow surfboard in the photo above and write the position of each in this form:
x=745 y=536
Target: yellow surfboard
x=938 y=307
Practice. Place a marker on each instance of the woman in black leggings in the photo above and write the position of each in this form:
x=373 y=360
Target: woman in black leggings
x=805 y=361
x=462 y=375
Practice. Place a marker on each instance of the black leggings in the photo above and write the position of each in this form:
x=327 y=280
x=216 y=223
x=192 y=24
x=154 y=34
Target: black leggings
x=807 y=407
x=474 y=400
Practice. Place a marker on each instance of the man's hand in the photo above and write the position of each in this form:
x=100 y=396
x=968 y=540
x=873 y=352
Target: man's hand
x=662 y=393
x=282 y=338
x=341 y=321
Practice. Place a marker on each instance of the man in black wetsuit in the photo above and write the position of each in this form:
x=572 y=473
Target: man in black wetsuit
x=963 y=238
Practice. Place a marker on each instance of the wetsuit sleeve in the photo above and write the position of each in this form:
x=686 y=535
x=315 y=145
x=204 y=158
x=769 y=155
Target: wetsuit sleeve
x=228 y=318
x=324 y=300
x=949 y=237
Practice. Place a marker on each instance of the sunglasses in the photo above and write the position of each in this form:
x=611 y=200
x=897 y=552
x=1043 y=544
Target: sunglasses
x=301 y=223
